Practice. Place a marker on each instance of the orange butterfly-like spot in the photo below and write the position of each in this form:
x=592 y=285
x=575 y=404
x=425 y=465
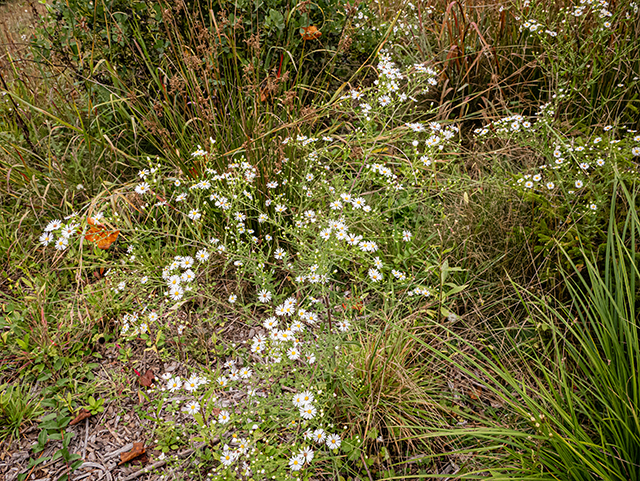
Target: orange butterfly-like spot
x=310 y=33
x=99 y=235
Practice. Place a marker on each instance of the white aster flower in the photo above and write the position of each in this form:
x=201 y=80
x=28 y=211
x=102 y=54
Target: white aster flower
x=264 y=296
x=202 y=255
x=192 y=407
x=174 y=383
x=333 y=441
x=53 y=225
x=46 y=238
x=308 y=411
x=142 y=188
x=62 y=243
x=307 y=452
x=296 y=463
x=293 y=353
x=375 y=275
x=319 y=436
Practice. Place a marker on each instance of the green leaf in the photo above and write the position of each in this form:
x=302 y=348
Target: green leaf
x=456 y=289
x=275 y=19
x=42 y=438
x=354 y=455
x=64 y=421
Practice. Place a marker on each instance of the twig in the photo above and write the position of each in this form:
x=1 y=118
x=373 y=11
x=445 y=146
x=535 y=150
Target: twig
x=146 y=470
x=159 y=464
x=86 y=438
x=328 y=312
x=123 y=449
x=115 y=436
x=365 y=466
x=105 y=471
x=35 y=467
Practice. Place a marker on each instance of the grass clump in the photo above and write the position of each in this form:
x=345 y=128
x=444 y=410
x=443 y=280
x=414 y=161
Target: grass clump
x=17 y=407
x=567 y=374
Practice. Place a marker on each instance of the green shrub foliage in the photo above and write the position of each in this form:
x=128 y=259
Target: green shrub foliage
x=270 y=36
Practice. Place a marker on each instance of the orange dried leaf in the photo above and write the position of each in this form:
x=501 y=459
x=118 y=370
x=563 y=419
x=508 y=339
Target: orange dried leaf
x=101 y=237
x=82 y=415
x=137 y=450
x=310 y=33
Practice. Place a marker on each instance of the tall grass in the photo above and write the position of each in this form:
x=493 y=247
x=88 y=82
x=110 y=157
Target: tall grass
x=176 y=76
x=491 y=61
x=51 y=139
x=565 y=378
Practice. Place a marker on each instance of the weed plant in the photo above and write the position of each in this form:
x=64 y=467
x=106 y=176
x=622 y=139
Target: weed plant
x=17 y=407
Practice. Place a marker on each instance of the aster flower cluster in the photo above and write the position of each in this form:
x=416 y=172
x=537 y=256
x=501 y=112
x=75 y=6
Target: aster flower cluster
x=192 y=384
x=61 y=233
x=65 y=232
x=391 y=88
x=287 y=341
x=135 y=324
x=288 y=336
x=180 y=282
x=586 y=9
x=304 y=401
x=505 y=125
x=438 y=137
x=574 y=166
x=291 y=238
x=575 y=173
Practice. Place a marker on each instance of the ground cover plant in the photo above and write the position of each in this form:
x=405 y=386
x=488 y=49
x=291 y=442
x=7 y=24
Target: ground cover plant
x=321 y=240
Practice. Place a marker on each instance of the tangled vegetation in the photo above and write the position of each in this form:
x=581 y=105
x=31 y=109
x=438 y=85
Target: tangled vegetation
x=319 y=240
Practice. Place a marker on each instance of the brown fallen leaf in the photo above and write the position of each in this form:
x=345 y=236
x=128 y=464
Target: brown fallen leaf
x=264 y=94
x=83 y=414
x=475 y=393
x=147 y=378
x=137 y=451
